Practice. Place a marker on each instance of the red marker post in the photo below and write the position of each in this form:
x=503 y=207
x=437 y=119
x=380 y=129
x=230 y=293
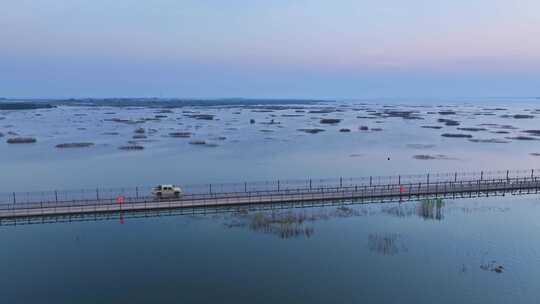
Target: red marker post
x=402 y=189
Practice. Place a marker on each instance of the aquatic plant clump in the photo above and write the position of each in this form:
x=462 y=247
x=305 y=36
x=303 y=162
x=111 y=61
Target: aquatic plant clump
x=180 y=134
x=454 y=135
x=330 y=121
x=431 y=157
x=431 y=209
x=386 y=243
x=21 y=140
x=74 y=145
x=131 y=148
x=312 y=131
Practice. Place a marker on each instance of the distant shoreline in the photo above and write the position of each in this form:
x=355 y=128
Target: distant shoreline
x=27 y=104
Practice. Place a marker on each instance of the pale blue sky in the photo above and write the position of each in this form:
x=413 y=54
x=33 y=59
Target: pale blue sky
x=296 y=48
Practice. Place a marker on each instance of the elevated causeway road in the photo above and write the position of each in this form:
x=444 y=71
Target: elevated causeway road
x=366 y=193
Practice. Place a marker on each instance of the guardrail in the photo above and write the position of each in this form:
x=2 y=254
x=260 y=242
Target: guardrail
x=208 y=193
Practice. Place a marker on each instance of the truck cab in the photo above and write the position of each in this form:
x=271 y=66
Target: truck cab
x=167 y=191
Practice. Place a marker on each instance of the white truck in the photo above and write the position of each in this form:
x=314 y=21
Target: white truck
x=167 y=191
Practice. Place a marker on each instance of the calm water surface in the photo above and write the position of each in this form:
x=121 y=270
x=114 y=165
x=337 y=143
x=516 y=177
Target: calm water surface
x=390 y=253
x=470 y=250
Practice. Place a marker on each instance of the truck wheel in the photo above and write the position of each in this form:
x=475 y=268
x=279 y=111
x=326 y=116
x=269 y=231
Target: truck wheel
x=177 y=194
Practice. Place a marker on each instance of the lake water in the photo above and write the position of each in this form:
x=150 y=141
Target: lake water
x=468 y=250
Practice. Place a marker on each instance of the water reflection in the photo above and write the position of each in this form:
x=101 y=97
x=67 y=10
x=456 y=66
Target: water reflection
x=428 y=209
x=431 y=209
x=386 y=243
x=289 y=223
